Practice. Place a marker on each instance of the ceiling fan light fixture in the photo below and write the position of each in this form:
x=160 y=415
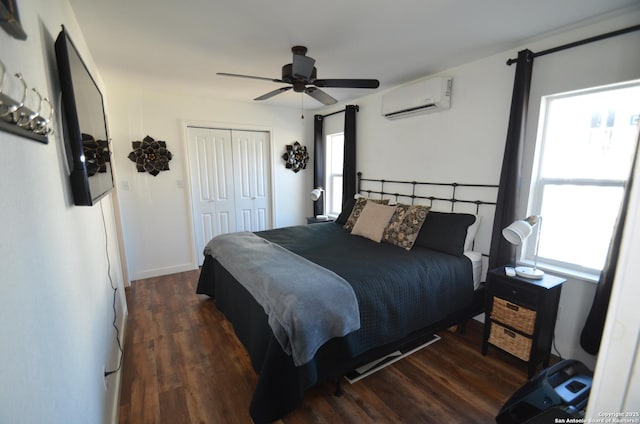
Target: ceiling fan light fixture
x=290 y=77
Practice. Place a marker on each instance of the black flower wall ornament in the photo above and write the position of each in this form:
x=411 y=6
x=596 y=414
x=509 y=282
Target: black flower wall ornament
x=296 y=157
x=96 y=154
x=150 y=155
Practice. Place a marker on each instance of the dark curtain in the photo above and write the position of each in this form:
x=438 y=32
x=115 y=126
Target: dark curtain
x=594 y=325
x=502 y=252
x=318 y=162
x=349 y=178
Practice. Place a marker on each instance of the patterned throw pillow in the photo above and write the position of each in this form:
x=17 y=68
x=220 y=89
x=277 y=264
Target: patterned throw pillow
x=405 y=224
x=357 y=210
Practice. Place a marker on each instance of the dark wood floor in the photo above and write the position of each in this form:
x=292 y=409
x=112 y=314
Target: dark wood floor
x=183 y=364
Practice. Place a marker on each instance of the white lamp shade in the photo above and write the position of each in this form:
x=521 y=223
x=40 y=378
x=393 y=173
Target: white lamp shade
x=316 y=193
x=517 y=232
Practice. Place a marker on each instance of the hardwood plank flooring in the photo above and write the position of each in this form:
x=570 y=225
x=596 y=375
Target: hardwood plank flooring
x=183 y=364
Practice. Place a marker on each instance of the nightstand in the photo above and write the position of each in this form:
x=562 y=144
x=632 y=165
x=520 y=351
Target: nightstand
x=520 y=316
x=314 y=220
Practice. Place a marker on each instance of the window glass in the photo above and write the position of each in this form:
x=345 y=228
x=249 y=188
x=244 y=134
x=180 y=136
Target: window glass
x=335 y=163
x=591 y=135
x=586 y=146
x=578 y=223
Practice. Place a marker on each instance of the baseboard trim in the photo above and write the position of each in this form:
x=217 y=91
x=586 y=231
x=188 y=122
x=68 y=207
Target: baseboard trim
x=157 y=272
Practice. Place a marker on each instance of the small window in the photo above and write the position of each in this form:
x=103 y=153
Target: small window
x=586 y=144
x=334 y=166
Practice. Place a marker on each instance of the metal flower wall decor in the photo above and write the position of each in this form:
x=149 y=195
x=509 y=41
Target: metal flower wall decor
x=96 y=154
x=150 y=155
x=296 y=157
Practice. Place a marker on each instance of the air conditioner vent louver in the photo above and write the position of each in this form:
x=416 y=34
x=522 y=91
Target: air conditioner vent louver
x=420 y=97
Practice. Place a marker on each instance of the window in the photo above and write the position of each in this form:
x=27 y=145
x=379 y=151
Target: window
x=586 y=145
x=334 y=165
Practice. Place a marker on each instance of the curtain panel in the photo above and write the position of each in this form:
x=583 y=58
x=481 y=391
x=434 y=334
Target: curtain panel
x=591 y=335
x=502 y=252
x=349 y=177
x=318 y=162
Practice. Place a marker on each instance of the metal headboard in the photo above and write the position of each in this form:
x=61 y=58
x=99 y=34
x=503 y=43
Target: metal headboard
x=413 y=185
x=479 y=199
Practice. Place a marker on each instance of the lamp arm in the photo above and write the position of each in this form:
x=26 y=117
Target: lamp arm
x=535 y=258
x=324 y=202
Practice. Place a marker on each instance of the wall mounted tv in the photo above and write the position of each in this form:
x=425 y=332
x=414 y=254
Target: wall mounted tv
x=84 y=126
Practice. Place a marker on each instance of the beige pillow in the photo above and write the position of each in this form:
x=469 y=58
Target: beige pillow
x=373 y=220
x=357 y=209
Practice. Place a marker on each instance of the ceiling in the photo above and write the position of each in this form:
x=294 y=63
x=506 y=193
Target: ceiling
x=180 y=45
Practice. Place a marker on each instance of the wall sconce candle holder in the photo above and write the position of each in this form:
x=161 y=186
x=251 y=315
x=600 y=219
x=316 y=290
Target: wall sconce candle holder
x=23 y=111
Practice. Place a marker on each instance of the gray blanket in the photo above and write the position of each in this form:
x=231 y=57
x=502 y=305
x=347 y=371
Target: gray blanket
x=306 y=304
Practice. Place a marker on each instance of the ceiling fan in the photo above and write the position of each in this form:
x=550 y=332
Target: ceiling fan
x=301 y=74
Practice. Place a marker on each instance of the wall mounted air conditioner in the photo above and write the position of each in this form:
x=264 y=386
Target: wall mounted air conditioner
x=425 y=96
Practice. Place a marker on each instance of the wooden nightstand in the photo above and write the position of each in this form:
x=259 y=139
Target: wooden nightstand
x=520 y=316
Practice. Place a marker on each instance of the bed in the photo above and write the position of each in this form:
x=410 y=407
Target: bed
x=402 y=295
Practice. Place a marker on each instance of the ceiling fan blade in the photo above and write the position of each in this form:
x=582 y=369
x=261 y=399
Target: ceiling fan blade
x=273 y=93
x=302 y=66
x=347 y=83
x=320 y=96
x=224 y=74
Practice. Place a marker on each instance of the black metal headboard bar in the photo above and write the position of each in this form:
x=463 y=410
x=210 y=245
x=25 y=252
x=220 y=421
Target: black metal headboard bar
x=453 y=199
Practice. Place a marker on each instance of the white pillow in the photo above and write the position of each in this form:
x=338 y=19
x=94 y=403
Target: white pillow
x=472 y=230
x=372 y=221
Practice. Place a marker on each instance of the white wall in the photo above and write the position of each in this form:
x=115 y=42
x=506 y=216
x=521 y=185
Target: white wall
x=466 y=143
x=463 y=144
x=155 y=211
x=55 y=296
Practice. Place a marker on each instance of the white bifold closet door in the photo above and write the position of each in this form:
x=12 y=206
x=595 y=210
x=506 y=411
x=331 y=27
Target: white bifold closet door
x=230 y=183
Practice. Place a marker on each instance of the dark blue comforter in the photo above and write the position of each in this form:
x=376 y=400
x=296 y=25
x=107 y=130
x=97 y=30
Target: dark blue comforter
x=400 y=293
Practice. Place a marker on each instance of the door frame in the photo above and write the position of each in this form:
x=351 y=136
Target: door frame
x=185 y=124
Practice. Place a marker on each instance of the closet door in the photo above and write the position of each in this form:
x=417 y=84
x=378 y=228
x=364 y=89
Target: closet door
x=230 y=182
x=212 y=187
x=251 y=173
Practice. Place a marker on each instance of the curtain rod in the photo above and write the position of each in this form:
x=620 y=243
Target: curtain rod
x=581 y=42
x=337 y=112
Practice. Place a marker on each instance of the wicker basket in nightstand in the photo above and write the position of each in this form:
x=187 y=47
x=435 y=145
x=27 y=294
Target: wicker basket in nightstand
x=510 y=341
x=516 y=316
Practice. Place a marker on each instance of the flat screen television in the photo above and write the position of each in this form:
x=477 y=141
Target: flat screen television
x=84 y=126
